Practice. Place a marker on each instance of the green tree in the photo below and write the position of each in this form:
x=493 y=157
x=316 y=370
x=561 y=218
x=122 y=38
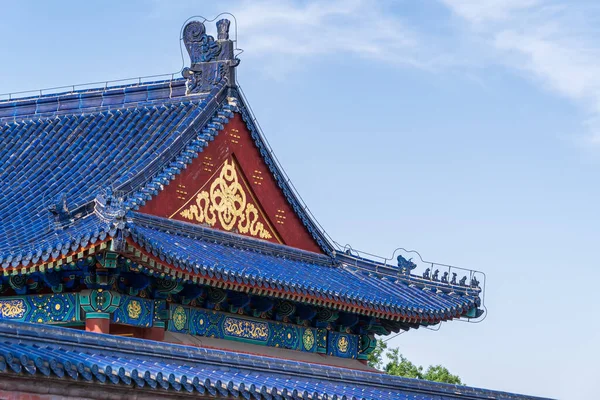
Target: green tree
x=438 y=373
x=376 y=357
x=398 y=365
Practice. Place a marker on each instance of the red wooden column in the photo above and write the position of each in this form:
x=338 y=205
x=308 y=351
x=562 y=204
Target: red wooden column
x=155 y=333
x=98 y=325
x=98 y=305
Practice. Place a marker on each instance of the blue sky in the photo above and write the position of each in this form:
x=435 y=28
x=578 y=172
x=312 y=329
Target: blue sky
x=468 y=130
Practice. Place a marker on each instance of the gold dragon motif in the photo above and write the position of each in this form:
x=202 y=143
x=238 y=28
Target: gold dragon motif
x=12 y=308
x=246 y=329
x=342 y=344
x=134 y=309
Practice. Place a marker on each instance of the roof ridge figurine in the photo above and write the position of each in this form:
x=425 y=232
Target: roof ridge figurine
x=210 y=61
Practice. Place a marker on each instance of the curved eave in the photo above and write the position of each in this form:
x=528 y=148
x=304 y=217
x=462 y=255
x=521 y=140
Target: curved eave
x=391 y=300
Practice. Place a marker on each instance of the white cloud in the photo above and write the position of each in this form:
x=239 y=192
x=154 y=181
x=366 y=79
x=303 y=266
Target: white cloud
x=555 y=44
x=313 y=29
x=288 y=33
x=483 y=11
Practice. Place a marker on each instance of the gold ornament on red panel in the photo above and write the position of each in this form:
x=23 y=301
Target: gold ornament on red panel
x=226 y=203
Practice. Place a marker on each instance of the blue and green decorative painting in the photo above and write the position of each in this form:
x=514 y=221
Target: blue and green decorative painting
x=322 y=340
x=160 y=313
x=134 y=311
x=342 y=345
x=180 y=317
x=367 y=344
x=201 y=322
x=47 y=309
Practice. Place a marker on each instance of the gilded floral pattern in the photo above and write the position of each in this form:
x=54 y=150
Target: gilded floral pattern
x=226 y=203
x=308 y=339
x=246 y=329
x=179 y=318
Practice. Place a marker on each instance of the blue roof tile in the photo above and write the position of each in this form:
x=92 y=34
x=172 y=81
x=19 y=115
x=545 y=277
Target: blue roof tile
x=74 y=355
x=66 y=150
x=229 y=257
x=77 y=145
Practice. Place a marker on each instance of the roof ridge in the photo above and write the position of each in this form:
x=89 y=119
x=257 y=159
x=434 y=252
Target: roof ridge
x=84 y=88
x=99 y=99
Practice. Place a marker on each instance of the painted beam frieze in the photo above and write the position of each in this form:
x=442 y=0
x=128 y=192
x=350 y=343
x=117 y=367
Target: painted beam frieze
x=47 y=309
x=201 y=322
x=134 y=311
x=342 y=344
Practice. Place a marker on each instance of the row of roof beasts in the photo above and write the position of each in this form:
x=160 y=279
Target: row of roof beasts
x=87 y=358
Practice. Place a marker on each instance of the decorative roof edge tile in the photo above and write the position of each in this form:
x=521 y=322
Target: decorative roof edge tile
x=56 y=249
x=395 y=273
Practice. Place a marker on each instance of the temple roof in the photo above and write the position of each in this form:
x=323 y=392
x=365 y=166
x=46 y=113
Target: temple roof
x=76 y=166
x=82 y=358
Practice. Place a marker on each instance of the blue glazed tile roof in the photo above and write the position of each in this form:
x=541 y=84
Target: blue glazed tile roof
x=77 y=145
x=76 y=148
x=226 y=257
x=34 y=350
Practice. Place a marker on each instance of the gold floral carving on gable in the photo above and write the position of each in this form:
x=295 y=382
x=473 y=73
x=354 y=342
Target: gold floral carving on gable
x=226 y=203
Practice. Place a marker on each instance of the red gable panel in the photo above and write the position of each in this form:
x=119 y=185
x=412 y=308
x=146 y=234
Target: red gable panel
x=229 y=187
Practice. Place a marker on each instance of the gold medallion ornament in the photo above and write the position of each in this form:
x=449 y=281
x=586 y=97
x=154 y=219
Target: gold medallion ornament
x=179 y=318
x=309 y=339
x=342 y=344
x=134 y=309
x=226 y=203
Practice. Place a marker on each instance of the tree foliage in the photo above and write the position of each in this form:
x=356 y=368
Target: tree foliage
x=394 y=363
x=375 y=359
